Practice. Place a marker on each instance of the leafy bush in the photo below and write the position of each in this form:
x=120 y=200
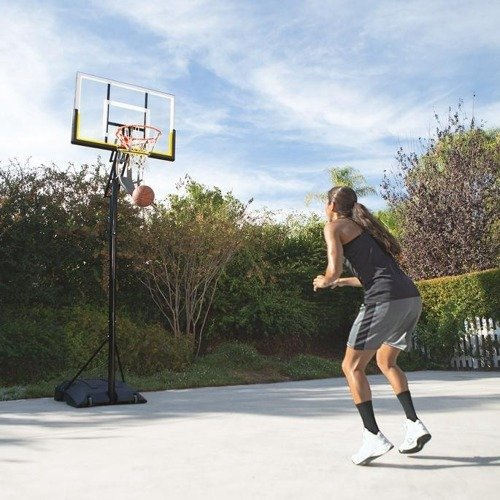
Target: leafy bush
x=13 y=392
x=142 y=346
x=263 y=311
x=448 y=302
x=266 y=297
x=179 y=352
x=467 y=295
x=32 y=343
x=234 y=354
x=40 y=342
x=53 y=235
x=415 y=360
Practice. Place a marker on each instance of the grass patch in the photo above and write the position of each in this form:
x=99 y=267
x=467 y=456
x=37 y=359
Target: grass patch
x=232 y=363
x=305 y=366
x=42 y=389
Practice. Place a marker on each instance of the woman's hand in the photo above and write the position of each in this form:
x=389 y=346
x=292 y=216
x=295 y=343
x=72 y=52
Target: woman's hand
x=336 y=283
x=321 y=282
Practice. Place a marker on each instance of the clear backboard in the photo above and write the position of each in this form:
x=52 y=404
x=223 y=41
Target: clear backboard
x=103 y=105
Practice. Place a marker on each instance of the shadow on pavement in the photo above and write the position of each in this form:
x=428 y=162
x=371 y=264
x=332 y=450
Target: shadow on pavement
x=462 y=462
x=312 y=398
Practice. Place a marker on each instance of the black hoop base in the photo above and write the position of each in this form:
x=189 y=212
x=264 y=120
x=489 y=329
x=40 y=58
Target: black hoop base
x=94 y=392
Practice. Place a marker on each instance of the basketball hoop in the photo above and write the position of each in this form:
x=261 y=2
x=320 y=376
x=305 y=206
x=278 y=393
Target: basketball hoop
x=137 y=139
x=137 y=143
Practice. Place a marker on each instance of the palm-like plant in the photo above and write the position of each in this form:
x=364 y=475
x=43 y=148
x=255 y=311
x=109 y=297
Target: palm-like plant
x=343 y=176
x=392 y=220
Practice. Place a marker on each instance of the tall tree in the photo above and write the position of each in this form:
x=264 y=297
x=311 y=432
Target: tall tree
x=343 y=176
x=187 y=243
x=447 y=198
x=391 y=220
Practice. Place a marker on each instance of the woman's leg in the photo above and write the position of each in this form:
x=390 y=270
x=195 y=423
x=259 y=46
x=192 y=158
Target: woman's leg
x=387 y=362
x=353 y=366
x=375 y=444
x=417 y=435
x=387 y=356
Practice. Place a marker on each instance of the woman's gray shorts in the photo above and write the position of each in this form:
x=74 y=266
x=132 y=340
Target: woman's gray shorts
x=385 y=323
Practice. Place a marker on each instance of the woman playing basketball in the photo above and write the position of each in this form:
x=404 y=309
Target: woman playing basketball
x=386 y=320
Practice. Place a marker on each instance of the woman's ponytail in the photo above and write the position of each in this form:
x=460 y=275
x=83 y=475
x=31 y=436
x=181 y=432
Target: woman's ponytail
x=346 y=202
x=362 y=216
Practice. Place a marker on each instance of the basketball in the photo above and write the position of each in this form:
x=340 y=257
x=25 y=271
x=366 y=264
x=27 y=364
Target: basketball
x=143 y=196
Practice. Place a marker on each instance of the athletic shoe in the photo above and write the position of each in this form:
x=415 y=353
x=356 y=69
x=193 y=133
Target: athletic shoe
x=416 y=436
x=374 y=446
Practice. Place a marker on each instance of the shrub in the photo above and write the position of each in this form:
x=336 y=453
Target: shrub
x=234 y=354
x=53 y=228
x=413 y=361
x=179 y=352
x=268 y=311
x=32 y=343
x=467 y=295
x=41 y=342
x=448 y=301
x=285 y=321
x=142 y=346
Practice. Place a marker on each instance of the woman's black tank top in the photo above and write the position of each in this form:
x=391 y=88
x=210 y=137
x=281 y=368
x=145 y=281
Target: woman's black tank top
x=379 y=273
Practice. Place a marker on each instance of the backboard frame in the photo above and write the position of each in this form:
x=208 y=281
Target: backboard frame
x=109 y=143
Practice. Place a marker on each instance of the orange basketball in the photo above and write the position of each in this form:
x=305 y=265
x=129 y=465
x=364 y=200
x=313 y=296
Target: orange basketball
x=143 y=196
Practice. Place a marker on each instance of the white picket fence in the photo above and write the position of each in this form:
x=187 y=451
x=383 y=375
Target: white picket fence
x=478 y=348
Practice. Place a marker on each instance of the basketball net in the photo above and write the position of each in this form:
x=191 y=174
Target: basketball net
x=137 y=142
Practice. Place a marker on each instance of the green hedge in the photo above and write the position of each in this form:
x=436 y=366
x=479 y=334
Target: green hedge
x=448 y=301
x=41 y=342
x=467 y=295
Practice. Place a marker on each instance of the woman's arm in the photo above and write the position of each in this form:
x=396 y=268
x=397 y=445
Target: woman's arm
x=335 y=254
x=352 y=281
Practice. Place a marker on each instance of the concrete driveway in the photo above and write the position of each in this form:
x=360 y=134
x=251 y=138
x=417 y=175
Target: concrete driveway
x=290 y=440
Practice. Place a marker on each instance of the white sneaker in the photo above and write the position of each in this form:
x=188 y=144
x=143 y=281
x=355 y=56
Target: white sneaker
x=416 y=436
x=374 y=445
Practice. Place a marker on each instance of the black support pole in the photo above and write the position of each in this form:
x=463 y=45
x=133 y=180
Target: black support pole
x=113 y=212
x=93 y=392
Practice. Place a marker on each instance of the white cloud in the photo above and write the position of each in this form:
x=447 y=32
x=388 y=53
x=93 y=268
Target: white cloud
x=431 y=24
x=348 y=78
x=41 y=53
x=201 y=121
x=27 y=81
x=490 y=114
x=300 y=71
x=227 y=174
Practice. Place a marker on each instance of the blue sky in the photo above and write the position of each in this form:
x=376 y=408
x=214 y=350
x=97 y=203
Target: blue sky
x=269 y=94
